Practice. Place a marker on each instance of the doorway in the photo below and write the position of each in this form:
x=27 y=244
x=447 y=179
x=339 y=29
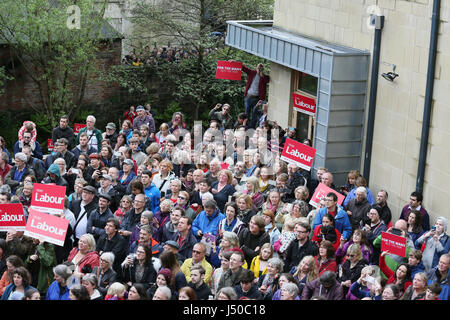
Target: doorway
x=306 y=85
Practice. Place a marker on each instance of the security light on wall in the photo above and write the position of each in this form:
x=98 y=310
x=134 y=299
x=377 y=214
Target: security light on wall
x=390 y=76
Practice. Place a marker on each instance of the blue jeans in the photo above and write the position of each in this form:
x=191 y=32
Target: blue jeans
x=250 y=102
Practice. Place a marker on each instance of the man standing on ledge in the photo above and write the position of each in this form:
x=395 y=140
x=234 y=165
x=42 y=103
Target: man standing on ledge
x=255 y=89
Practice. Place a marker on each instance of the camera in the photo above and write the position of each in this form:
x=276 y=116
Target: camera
x=396 y=231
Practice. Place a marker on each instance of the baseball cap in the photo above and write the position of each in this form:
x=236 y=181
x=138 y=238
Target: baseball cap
x=107 y=176
x=111 y=125
x=129 y=161
x=140 y=108
x=173 y=244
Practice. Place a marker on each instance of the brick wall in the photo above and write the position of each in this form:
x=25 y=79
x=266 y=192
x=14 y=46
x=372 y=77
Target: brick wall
x=22 y=91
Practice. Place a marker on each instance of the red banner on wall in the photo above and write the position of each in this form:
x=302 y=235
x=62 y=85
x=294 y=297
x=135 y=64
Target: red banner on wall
x=393 y=243
x=298 y=153
x=12 y=217
x=45 y=226
x=304 y=104
x=48 y=198
x=229 y=70
x=321 y=191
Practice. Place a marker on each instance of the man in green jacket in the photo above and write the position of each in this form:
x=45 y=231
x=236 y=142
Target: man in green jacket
x=41 y=265
x=94 y=134
x=393 y=260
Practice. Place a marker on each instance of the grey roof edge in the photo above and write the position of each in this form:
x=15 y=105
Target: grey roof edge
x=320 y=45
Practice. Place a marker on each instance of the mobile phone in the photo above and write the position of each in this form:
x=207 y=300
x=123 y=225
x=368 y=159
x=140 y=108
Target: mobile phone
x=396 y=231
x=75 y=171
x=433 y=228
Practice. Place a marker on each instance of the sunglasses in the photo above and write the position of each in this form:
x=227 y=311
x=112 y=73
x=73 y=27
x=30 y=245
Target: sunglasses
x=182 y=198
x=350 y=255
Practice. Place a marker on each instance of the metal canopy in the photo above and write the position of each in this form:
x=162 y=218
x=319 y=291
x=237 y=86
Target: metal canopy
x=342 y=74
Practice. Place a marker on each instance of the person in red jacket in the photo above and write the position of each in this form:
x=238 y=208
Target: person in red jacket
x=84 y=256
x=255 y=89
x=401 y=277
x=325 y=260
x=327 y=231
x=130 y=114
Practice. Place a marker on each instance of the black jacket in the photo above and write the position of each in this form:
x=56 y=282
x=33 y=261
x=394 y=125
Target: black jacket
x=249 y=242
x=117 y=245
x=294 y=253
x=253 y=293
x=108 y=278
x=149 y=277
x=202 y=292
x=187 y=246
x=67 y=133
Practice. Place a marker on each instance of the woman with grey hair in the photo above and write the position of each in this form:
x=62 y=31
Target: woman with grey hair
x=89 y=281
x=59 y=289
x=435 y=243
x=289 y=291
x=226 y=293
x=12 y=179
x=162 y=293
x=268 y=283
x=105 y=273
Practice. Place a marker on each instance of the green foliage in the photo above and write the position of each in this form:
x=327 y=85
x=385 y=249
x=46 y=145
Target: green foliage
x=57 y=58
x=3 y=78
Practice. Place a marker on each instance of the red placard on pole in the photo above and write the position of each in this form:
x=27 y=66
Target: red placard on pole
x=12 y=217
x=50 y=145
x=229 y=70
x=321 y=191
x=393 y=243
x=77 y=127
x=298 y=153
x=42 y=225
x=48 y=198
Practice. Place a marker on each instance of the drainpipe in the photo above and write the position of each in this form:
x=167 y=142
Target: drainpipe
x=378 y=22
x=428 y=95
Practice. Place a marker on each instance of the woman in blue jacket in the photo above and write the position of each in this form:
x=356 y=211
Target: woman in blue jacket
x=341 y=220
x=58 y=289
x=21 y=283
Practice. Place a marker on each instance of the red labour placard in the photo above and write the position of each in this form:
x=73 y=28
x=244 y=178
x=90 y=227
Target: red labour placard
x=42 y=225
x=229 y=70
x=304 y=104
x=12 y=217
x=298 y=153
x=77 y=127
x=321 y=191
x=393 y=243
x=48 y=198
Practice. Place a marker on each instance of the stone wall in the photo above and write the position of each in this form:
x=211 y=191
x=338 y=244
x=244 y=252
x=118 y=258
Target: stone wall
x=399 y=111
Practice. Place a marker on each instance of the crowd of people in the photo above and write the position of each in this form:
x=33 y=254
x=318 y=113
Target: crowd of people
x=168 y=212
x=162 y=54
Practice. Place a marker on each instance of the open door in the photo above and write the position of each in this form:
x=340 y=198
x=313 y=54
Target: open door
x=304 y=103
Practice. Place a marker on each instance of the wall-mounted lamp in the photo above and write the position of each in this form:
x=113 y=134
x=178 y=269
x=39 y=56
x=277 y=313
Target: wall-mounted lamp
x=390 y=76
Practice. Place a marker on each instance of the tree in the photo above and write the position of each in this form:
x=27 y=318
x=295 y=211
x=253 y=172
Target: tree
x=190 y=23
x=55 y=43
x=3 y=77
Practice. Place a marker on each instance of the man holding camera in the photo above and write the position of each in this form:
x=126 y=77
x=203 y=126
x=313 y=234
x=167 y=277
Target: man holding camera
x=223 y=116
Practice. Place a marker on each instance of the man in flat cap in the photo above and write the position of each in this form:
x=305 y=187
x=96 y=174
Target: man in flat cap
x=82 y=209
x=98 y=217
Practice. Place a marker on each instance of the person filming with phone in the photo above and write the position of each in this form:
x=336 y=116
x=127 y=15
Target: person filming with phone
x=434 y=243
x=400 y=228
